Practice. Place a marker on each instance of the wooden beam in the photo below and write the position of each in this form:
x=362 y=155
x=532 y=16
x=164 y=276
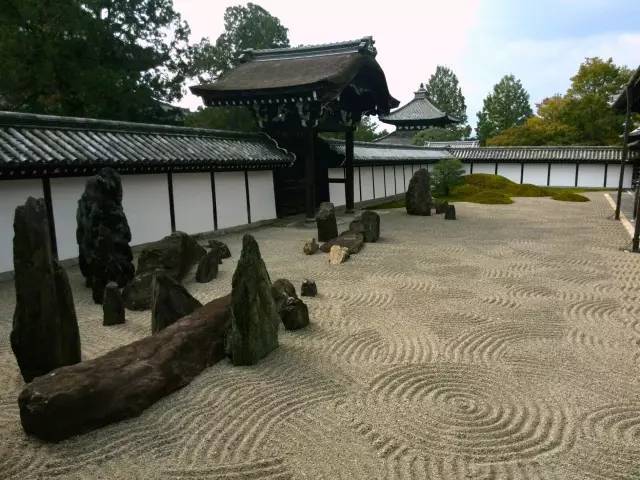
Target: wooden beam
x=625 y=156
x=348 y=169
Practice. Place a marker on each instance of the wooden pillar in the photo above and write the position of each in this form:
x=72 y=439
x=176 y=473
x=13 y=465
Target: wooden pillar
x=172 y=210
x=625 y=155
x=46 y=190
x=348 y=169
x=213 y=199
x=310 y=175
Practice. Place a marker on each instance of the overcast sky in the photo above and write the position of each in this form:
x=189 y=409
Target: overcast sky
x=541 y=42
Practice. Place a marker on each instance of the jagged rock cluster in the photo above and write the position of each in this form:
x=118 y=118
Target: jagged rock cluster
x=418 y=197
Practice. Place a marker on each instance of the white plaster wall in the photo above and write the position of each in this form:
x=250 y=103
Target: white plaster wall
x=591 y=175
x=65 y=193
x=510 y=171
x=613 y=176
x=391 y=185
x=366 y=177
x=231 y=199
x=535 y=173
x=484 y=168
x=262 y=197
x=407 y=176
x=192 y=202
x=12 y=194
x=145 y=199
x=467 y=168
x=378 y=177
x=399 y=179
x=336 y=172
x=356 y=185
x=562 y=175
x=336 y=190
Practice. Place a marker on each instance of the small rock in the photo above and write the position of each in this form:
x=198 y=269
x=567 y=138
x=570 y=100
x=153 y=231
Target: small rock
x=221 y=247
x=283 y=288
x=326 y=222
x=171 y=302
x=310 y=247
x=308 y=288
x=441 y=206
x=418 y=196
x=367 y=224
x=112 y=305
x=338 y=255
x=352 y=241
x=137 y=293
x=208 y=266
x=294 y=314
x=450 y=214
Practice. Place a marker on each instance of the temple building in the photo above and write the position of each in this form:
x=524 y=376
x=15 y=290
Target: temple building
x=418 y=114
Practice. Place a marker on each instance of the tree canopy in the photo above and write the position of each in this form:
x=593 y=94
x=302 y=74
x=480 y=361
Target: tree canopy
x=365 y=131
x=507 y=106
x=581 y=116
x=98 y=58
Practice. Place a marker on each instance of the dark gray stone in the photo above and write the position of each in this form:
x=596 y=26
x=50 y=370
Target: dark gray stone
x=45 y=332
x=441 y=206
x=103 y=234
x=112 y=305
x=310 y=247
x=308 y=288
x=326 y=222
x=208 y=266
x=294 y=314
x=281 y=290
x=170 y=302
x=352 y=241
x=176 y=254
x=367 y=224
x=222 y=248
x=450 y=214
x=255 y=320
x=137 y=293
x=418 y=196
x=127 y=380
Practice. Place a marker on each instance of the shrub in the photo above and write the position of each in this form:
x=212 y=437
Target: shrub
x=566 y=196
x=447 y=174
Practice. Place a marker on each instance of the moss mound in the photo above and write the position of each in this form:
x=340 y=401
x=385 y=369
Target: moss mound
x=566 y=196
x=490 y=197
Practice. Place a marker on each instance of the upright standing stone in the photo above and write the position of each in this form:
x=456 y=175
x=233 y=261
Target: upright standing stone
x=368 y=224
x=208 y=266
x=45 y=332
x=103 y=234
x=222 y=247
x=170 y=302
x=308 y=288
x=255 y=321
x=326 y=222
x=293 y=312
x=418 y=196
x=112 y=305
x=441 y=206
x=450 y=214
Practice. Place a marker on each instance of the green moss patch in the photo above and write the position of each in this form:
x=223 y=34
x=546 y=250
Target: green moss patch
x=566 y=196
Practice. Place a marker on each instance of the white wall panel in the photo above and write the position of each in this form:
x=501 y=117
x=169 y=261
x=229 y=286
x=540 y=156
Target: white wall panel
x=65 y=193
x=562 y=175
x=231 y=199
x=467 y=168
x=262 y=196
x=336 y=190
x=489 y=168
x=399 y=179
x=613 y=175
x=407 y=176
x=12 y=194
x=356 y=184
x=366 y=177
x=535 y=173
x=145 y=199
x=391 y=184
x=379 y=181
x=192 y=201
x=336 y=172
x=510 y=171
x=591 y=175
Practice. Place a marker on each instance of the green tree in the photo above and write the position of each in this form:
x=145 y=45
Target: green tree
x=365 y=131
x=507 y=106
x=447 y=174
x=443 y=90
x=223 y=118
x=98 y=58
x=245 y=27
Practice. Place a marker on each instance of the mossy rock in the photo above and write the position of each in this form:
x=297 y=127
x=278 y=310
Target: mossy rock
x=567 y=196
x=465 y=190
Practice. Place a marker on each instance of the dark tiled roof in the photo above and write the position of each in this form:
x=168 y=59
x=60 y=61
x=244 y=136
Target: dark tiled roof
x=419 y=113
x=380 y=153
x=398 y=137
x=35 y=145
x=620 y=102
x=454 y=144
x=539 y=154
x=309 y=73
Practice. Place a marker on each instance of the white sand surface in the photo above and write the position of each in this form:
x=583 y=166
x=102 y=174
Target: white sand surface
x=503 y=345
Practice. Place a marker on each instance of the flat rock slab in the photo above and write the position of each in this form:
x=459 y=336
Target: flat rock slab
x=124 y=382
x=176 y=254
x=353 y=242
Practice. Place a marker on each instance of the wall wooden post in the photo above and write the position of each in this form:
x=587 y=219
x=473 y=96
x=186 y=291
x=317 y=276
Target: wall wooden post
x=310 y=175
x=172 y=209
x=348 y=169
x=625 y=154
x=46 y=190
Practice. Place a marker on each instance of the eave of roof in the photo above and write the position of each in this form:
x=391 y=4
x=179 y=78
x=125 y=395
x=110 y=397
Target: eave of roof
x=419 y=113
x=620 y=102
x=553 y=154
x=370 y=153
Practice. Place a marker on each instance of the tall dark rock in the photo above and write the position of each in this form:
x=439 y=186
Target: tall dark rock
x=112 y=305
x=255 y=321
x=208 y=266
x=45 y=329
x=418 y=196
x=103 y=234
x=368 y=224
x=170 y=302
x=326 y=222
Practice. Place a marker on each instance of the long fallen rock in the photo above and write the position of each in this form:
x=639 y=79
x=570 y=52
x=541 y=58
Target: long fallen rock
x=122 y=383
